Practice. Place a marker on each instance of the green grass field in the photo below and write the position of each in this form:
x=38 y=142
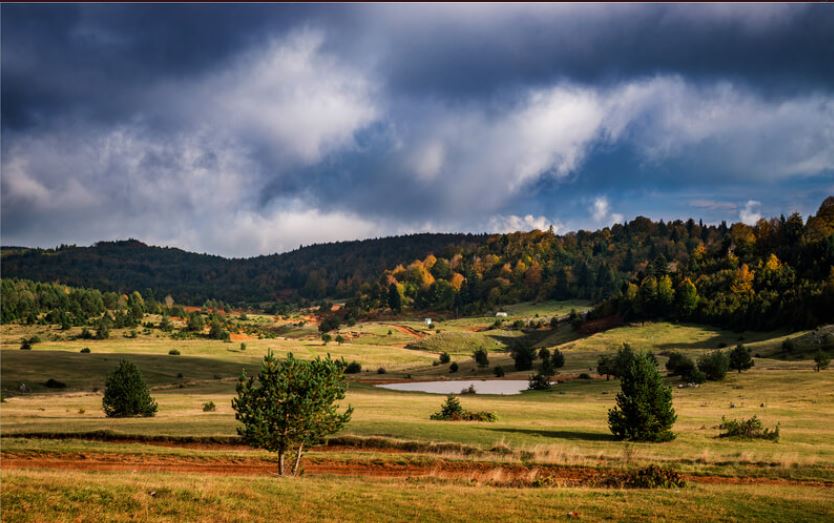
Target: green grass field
x=790 y=480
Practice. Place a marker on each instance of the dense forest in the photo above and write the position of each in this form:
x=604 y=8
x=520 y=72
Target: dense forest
x=778 y=272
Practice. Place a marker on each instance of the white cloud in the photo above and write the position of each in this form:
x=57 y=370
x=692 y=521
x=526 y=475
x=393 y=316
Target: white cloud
x=512 y=223
x=751 y=213
x=288 y=97
x=484 y=156
x=599 y=209
x=601 y=213
x=706 y=203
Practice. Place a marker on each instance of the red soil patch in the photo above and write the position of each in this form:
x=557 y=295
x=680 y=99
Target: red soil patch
x=239 y=336
x=515 y=475
x=408 y=331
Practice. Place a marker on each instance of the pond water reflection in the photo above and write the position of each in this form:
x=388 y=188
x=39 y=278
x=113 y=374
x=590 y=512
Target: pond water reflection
x=456 y=386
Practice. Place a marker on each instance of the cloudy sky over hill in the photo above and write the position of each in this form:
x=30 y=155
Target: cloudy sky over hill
x=250 y=129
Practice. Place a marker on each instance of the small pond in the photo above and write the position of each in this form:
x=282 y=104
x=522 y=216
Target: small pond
x=456 y=386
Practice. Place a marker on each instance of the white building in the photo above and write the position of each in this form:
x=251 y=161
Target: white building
x=500 y=314
x=428 y=322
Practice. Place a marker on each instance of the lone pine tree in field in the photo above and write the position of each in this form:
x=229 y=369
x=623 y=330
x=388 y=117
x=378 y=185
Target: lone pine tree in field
x=126 y=394
x=821 y=360
x=644 y=406
x=290 y=404
x=740 y=358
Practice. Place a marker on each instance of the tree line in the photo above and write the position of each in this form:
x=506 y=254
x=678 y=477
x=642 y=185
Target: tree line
x=778 y=272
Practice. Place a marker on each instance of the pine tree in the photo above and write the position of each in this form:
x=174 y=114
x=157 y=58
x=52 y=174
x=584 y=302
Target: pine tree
x=126 y=394
x=395 y=301
x=291 y=404
x=481 y=357
x=740 y=358
x=644 y=409
x=821 y=360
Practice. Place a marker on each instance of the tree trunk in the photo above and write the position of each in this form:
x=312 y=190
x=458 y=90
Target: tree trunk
x=280 y=462
x=297 y=460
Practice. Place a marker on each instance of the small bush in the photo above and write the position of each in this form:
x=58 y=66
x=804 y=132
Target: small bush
x=179 y=375
x=451 y=410
x=584 y=376
x=209 y=406
x=539 y=382
x=445 y=358
x=652 y=476
x=453 y=367
x=174 y=352
x=55 y=384
x=747 y=429
x=354 y=367
x=381 y=370
x=242 y=346
x=85 y=350
x=25 y=345
x=498 y=371
x=469 y=390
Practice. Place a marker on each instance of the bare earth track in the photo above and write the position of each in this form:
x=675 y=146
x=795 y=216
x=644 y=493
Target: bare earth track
x=515 y=475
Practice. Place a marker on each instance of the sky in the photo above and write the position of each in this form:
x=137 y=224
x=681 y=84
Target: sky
x=251 y=129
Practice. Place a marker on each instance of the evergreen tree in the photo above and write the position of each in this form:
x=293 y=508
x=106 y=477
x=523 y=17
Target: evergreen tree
x=291 y=404
x=558 y=359
x=686 y=299
x=217 y=330
x=821 y=360
x=714 y=365
x=103 y=329
x=395 y=301
x=644 y=409
x=195 y=322
x=126 y=394
x=523 y=354
x=481 y=357
x=740 y=358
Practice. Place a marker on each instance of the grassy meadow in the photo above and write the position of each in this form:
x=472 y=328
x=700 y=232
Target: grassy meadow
x=535 y=431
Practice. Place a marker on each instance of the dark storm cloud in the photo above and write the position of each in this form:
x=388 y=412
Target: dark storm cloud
x=242 y=129
x=770 y=47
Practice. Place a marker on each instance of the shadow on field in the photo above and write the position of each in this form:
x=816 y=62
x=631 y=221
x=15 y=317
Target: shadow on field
x=561 y=434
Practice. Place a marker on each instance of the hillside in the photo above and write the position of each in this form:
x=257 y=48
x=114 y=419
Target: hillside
x=776 y=273
x=333 y=269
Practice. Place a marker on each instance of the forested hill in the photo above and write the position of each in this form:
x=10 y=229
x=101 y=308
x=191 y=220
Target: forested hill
x=777 y=272
x=332 y=269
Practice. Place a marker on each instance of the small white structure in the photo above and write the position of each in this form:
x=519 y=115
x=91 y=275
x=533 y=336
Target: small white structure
x=428 y=322
x=500 y=314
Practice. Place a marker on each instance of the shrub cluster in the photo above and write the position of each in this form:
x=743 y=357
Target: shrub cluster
x=748 y=429
x=652 y=476
x=354 y=367
x=452 y=410
x=209 y=406
x=539 y=381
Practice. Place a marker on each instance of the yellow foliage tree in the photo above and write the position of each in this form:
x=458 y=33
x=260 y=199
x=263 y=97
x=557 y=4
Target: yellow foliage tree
x=743 y=280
